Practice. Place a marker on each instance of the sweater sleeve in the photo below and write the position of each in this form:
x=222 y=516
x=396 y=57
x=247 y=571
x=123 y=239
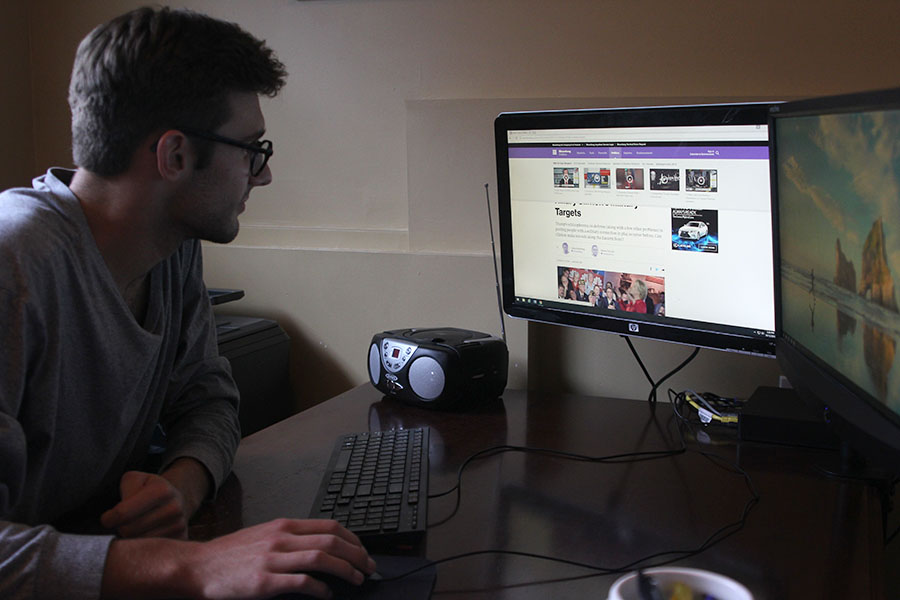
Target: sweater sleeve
x=40 y=563
x=201 y=414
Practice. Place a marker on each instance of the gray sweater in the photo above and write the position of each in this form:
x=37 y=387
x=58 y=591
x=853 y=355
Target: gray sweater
x=83 y=386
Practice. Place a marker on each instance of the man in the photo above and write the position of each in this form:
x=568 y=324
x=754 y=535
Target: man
x=107 y=345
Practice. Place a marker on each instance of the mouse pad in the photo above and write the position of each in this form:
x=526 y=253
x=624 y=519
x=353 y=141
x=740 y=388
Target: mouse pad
x=416 y=586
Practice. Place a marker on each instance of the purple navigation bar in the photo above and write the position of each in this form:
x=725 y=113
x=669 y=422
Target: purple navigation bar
x=648 y=152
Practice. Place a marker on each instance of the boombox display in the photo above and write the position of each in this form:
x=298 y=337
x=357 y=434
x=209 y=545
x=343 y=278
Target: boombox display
x=440 y=367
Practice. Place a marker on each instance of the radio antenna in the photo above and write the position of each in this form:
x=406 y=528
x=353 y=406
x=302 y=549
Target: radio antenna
x=487 y=198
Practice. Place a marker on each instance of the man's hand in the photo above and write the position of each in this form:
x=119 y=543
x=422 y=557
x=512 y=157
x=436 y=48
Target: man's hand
x=257 y=562
x=159 y=505
x=275 y=557
x=151 y=506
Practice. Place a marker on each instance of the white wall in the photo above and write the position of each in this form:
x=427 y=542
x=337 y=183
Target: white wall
x=376 y=218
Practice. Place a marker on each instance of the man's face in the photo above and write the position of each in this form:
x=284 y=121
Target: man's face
x=209 y=208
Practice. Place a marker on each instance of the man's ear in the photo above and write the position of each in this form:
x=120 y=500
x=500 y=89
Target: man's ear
x=175 y=155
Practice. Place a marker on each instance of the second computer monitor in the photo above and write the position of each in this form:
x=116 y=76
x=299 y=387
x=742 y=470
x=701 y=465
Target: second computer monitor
x=836 y=181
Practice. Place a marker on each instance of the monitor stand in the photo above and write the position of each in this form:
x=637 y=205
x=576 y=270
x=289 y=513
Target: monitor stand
x=775 y=415
x=780 y=416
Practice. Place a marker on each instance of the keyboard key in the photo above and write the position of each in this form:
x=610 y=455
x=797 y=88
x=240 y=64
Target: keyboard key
x=343 y=460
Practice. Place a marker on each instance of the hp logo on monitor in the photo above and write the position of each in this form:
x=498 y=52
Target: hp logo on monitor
x=633 y=327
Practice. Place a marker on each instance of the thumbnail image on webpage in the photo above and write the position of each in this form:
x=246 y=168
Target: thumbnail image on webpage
x=565 y=177
x=629 y=178
x=596 y=179
x=695 y=230
x=610 y=290
x=701 y=180
x=665 y=180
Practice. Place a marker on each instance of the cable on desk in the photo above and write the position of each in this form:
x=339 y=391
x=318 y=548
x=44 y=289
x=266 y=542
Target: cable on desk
x=653 y=560
x=710 y=407
x=655 y=384
x=629 y=457
x=718 y=410
x=613 y=458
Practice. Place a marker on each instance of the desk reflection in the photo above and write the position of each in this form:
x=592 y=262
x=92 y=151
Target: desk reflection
x=482 y=427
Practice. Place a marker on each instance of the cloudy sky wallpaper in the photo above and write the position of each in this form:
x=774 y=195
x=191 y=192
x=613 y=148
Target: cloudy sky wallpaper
x=837 y=175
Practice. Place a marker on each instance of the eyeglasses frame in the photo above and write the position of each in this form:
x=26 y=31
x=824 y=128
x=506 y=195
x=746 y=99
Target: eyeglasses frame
x=263 y=147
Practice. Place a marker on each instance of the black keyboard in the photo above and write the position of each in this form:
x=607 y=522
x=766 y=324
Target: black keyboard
x=376 y=485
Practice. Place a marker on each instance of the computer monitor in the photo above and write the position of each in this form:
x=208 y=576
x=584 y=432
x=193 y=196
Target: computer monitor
x=836 y=183
x=653 y=222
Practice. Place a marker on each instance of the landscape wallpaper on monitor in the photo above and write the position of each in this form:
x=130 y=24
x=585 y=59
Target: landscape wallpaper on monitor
x=839 y=211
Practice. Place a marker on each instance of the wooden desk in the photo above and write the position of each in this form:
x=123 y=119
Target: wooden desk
x=809 y=536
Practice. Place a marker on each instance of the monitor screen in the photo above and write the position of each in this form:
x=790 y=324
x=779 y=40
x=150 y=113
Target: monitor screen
x=836 y=182
x=652 y=222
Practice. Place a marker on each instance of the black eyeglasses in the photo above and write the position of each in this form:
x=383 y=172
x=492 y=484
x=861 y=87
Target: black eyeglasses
x=262 y=150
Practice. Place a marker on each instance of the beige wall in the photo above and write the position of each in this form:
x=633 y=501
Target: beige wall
x=17 y=156
x=383 y=138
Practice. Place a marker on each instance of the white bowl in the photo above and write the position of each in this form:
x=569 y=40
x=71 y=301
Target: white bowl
x=700 y=581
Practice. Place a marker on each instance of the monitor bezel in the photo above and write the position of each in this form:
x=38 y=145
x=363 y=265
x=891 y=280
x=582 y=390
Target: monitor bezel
x=693 y=333
x=857 y=417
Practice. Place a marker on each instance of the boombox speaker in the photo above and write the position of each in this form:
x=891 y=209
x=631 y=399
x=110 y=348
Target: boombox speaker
x=441 y=368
